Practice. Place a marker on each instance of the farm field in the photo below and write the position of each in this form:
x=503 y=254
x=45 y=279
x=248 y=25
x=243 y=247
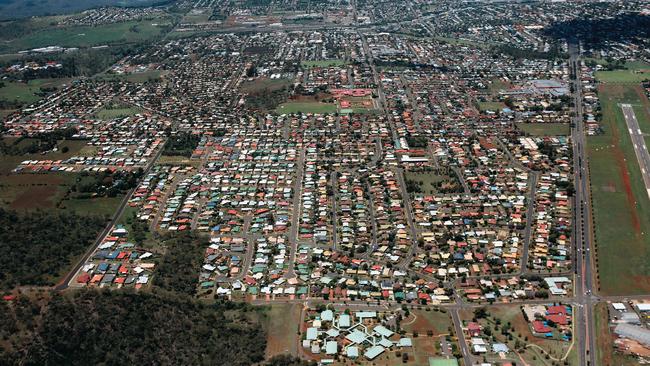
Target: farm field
x=545 y=129
x=306 y=107
x=620 y=202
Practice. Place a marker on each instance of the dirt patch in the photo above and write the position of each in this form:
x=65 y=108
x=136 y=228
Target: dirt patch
x=634 y=347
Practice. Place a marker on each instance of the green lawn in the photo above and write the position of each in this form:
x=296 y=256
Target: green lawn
x=306 y=107
x=85 y=36
x=546 y=129
x=620 y=202
x=322 y=63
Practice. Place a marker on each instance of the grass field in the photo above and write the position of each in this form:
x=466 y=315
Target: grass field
x=282 y=324
x=136 y=77
x=261 y=84
x=107 y=113
x=323 y=63
x=422 y=321
x=196 y=17
x=620 y=202
x=497 y=85
x=546 y=129
x=101 y=206
x=85 y=36
x=306 y=107
x=33 y=191
x=490 y=106
x=427 y=180
x=27 y=92
x=636 y=72
x=176 y=160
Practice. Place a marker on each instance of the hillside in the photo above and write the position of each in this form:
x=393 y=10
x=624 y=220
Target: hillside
x=16 y=9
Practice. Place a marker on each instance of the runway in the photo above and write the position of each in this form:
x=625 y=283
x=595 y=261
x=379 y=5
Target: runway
x=640 y=148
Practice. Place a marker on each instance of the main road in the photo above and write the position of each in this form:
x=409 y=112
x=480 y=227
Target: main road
x=582 y=222
x=640 y=148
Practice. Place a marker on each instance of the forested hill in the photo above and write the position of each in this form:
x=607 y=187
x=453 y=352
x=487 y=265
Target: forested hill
x=16 y=9
x=125 y=328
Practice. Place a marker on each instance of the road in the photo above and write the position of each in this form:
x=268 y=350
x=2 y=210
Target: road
x=458 y=326
x=335 y=232
x=296 y=214
x=529 y=222
x=582 y=224
x=640 y=148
